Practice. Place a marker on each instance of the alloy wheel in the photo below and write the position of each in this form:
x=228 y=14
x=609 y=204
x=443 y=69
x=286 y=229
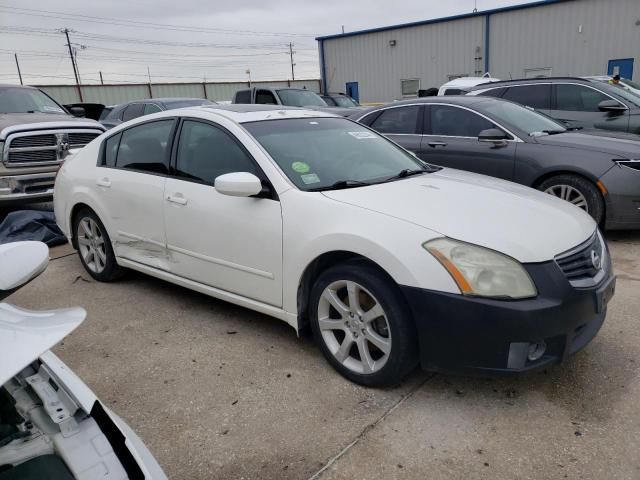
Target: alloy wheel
x=91 y=245
x=569 y=194
x=354 y=327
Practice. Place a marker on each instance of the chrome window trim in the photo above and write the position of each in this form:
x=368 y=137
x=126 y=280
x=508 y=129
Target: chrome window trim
x=61 y=147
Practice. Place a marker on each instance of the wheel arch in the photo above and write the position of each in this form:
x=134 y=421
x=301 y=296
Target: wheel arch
x=320 y=264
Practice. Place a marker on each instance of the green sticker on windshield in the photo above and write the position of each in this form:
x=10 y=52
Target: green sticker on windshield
x=300 y=167
x=310 y=178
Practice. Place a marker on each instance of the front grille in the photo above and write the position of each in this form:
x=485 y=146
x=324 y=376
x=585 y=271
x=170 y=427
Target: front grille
x=32 y=156
x=584 y=261
x=81 y=139
x=44 y=147
x=34 y=141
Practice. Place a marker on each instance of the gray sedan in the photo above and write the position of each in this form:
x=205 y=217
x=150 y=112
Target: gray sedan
x=503 y=139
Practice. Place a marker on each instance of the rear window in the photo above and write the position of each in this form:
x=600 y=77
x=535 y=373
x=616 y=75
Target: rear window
x=243 y=96
x=534 y=96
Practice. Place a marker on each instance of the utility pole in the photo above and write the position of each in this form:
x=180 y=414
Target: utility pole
x=101 y=80
x=291 y=52
x=18 y=66
x=149 y=75
x=73 y=64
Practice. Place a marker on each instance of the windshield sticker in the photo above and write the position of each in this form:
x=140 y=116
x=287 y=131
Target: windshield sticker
x=362 y=135
x=47 y=108
x=310 y=178
x=300 y=167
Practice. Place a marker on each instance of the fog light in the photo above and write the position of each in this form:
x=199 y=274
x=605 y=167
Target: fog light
x=536 y=350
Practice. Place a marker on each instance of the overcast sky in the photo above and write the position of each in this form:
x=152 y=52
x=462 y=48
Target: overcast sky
x=190 y=40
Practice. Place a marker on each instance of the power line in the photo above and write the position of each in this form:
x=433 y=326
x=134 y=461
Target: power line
x=142 y=24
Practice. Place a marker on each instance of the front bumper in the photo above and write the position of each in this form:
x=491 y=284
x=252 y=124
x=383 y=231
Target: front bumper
x=623 y=198
x=488 y=336
x=25 y=188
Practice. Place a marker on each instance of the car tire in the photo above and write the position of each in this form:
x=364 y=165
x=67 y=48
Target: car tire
x=577 y=190
x=94 y=247
x=373 y=344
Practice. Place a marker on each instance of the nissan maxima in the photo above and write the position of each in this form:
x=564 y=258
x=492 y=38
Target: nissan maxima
x=594 y=171
x=323 y=223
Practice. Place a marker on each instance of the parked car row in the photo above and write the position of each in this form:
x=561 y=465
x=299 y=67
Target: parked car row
x=500 y=138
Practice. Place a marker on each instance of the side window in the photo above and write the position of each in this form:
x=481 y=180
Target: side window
x=397 y=120
x=146 y=147
x=151 y=108
x=534 y=96
x=265 y=97
x=134 y=110
x=368 y=119
x=448 y=121
x=455 y=91
x=578 y=98
x=206 y=152
x=111 y=150
x=243 y=96
x=494 y=92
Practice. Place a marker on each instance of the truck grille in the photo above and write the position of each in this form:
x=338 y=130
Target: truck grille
x=44 y=147
x=583 y=262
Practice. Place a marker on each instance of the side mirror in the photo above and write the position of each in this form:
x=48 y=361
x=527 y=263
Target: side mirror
x=611 y=106
x=238 y=184
x=21 y=262
x=494 y=135
x=77 y=111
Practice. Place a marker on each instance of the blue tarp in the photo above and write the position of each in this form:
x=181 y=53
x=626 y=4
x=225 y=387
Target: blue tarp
x=36 y=225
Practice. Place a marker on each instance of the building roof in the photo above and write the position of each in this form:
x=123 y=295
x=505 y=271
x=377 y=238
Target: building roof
x=483 y=13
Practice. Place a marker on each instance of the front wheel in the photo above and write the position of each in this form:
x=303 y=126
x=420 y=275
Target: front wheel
x=577 y=191
x=363 y=325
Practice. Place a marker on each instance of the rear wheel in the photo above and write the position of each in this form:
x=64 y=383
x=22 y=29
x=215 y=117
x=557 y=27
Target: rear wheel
x=94 y=247
x=577 y=191
x=363 y=325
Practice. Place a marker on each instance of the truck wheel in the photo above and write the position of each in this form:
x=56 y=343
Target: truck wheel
x=578 y=191
x=363 y=325
x=94 y=247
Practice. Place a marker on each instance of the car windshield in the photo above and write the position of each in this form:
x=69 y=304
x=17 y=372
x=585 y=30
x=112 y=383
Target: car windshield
x=171 y=104
x=344 y=101
x=301 y=98
x=26 y=100
x=522 y=118
x=322 y=153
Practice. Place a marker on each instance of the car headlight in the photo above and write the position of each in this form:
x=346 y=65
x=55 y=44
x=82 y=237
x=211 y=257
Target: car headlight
x=482 y=272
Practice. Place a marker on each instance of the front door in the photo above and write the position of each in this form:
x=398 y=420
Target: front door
x=230 y=243
x=451 y=140
x=131 y=183
x=622 y=67
x=577 y=106
x=353 y=91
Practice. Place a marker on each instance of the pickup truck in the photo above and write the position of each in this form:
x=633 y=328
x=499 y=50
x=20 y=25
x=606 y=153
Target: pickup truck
x=290 y=97
x=36 y=135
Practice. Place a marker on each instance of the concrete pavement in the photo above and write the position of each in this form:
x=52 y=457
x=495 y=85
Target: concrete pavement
x=218 y=391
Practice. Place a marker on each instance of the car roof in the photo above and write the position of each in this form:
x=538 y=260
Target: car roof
x=469 y=81
x=534 y=80
x=245 y=112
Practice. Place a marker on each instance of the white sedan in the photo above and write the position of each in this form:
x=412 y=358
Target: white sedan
x=322 y=223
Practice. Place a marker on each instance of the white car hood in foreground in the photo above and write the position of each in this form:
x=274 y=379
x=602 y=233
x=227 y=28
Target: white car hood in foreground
x=523 y=223
x=25 y=335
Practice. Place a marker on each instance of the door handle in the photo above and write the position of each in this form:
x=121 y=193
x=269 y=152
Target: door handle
x=103 y=182
x=177 y=198
x=437 y=144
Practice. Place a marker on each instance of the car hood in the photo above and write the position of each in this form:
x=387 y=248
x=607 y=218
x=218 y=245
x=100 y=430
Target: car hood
x=620 y=146
x=28 y=121
x=25 y=335
x=523 y=223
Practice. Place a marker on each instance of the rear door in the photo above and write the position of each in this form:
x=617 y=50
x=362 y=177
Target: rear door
x=577 y=106
x=451 y=140
x=402 y=124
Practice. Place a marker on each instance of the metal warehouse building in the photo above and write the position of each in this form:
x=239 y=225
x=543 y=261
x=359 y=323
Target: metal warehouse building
x=545 y=38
